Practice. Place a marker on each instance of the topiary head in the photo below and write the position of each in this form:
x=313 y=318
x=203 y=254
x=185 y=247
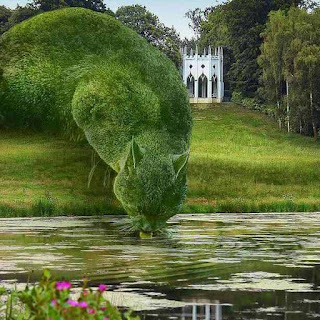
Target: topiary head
x=151 y=186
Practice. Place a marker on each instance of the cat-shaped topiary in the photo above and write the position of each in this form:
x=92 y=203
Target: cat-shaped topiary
x=74 y=68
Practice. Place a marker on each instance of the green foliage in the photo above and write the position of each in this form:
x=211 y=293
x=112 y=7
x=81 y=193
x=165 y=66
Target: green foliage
x=48 y=5
x=237 y=26
x=45 y=207
x=237 y=97
x=51 y=300
x=197 y=17
x=5 y=14
x=147 y=25
x=115 y=86
x=9 y=18
x=290 y=58
x=20 y=14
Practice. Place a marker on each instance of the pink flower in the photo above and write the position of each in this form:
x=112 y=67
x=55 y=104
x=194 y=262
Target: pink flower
x=103 y=308
x=91 y=311
x=54 y=302
x=72 y=303
x=63 y=285
x=83 y=304
x=85 y=293
x=102 y=287
x=105 y=318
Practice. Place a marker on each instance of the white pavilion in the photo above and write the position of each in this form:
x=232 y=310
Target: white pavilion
x=203 y=74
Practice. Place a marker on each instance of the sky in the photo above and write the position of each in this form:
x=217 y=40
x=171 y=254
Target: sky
x=170 y=12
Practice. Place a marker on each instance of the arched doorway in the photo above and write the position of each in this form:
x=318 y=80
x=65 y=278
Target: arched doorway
x=214 y=86
x=203 y=86
x=190 y=85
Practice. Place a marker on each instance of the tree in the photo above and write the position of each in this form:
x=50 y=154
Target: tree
x=197 y=17
x=48 y=5
x=308 y=72
x=8 y=18
x=271 y=60
x=237 y=26
x=290 y=54
x=22 y=13
x=5 y=14
x=215 y=32
x=148 y=25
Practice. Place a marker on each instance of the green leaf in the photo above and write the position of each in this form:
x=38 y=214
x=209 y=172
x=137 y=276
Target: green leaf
x=180 y=161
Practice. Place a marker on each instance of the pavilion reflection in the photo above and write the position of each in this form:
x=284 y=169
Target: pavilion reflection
x=207 y=312
x=192 y=311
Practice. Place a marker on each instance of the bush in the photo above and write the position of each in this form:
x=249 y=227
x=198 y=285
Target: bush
x=76 y=71
x=51 y=300
x=237 y=97
x=44 y=207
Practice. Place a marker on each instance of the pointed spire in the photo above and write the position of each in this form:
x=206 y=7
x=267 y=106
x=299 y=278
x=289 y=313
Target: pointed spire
x=185 y=50
x=191 y=52
x=204 y=51
x=209 y=50
x=197 y=50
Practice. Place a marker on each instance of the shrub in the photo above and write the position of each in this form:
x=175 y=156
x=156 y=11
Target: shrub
x=237 y=97
x=83 y=73
x=45 y=207
x=51 y=300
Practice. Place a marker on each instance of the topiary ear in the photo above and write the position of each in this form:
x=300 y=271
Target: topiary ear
x=135 y=154
x=180 y=161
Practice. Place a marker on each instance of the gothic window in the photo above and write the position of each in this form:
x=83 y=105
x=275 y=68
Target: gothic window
x=214 y=84
x=190 y=85
x=203 y=86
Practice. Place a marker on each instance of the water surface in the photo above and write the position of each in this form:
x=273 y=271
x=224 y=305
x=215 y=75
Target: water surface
x=219 y=266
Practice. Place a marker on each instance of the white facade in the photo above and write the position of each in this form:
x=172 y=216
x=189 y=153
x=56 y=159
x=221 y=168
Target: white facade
x=203 y=75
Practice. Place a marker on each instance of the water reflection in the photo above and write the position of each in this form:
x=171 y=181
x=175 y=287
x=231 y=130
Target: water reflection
x=206 y=312
x=267 y=266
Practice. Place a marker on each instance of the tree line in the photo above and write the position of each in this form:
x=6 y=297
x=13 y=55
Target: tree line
x=290 y=60
x=272 y=56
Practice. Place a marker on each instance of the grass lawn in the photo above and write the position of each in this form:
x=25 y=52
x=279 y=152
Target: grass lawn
x=240 y=162
x=44 y=175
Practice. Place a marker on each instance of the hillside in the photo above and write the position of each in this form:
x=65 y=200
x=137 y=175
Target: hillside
x=240 y=162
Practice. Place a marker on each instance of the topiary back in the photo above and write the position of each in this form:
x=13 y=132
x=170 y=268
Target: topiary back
x=73 y=71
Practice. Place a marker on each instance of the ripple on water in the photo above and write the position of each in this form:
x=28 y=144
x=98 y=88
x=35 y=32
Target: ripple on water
x=206 y=253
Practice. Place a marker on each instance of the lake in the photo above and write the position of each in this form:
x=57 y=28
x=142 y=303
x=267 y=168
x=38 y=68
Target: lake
x=218 y=266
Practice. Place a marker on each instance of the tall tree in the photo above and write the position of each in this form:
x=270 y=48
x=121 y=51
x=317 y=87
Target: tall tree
x=291 y=54
x=276 y=41
x=5 y=14
x=9 y=18
x=237 y=25
x=308 y=72
x=197 y=17
x=149 y=26
x=22 y=13
x=48 y=5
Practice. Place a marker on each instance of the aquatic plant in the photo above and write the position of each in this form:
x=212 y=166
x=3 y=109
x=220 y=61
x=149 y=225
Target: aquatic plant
x=74 y=68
